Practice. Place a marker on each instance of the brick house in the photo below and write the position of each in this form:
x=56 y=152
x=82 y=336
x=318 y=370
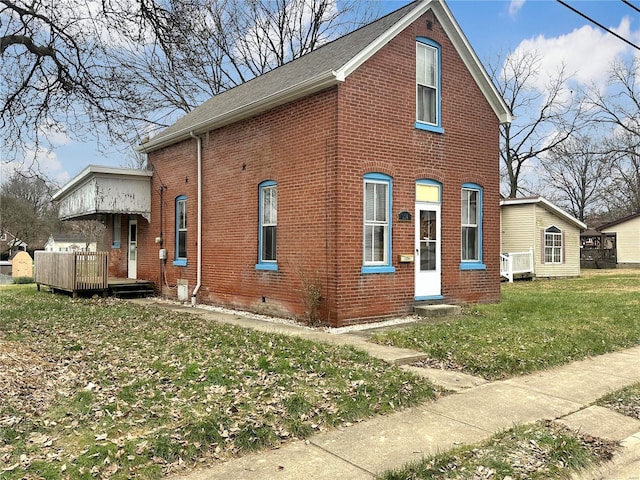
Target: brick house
x=367 y=169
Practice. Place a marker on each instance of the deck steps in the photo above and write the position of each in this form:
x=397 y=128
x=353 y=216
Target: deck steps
x=135 y=289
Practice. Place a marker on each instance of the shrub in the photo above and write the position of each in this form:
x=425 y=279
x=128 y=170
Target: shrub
x=22 y=280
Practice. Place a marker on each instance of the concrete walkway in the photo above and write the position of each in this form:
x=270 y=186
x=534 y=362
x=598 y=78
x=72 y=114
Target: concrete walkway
x=476 y=411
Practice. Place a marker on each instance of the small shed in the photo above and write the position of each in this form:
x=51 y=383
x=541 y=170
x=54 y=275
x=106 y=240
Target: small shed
x=550 y=233
x=21 y=265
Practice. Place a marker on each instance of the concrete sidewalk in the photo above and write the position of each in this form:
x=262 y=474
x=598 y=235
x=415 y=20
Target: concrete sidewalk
x=476 y=411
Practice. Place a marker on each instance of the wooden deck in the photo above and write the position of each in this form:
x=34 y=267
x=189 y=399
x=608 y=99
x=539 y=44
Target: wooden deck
x=84 y=273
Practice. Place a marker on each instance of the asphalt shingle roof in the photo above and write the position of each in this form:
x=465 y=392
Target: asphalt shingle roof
x=325 y=59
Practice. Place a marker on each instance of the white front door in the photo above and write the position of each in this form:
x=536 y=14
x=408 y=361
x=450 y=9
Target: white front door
x=427 y=259
x=132 y=256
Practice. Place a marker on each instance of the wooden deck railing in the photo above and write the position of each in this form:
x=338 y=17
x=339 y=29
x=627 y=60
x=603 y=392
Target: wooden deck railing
x=72 y=271
x=515 y=263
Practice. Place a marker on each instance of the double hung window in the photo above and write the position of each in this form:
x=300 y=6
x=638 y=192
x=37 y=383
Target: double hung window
x=377 y=224
x=428 y=85
x=268 y=214
x=180 y=257
x=552 y=245
x=471 y=213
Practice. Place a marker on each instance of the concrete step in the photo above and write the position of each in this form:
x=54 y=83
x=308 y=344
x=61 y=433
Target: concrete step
x=441 y=310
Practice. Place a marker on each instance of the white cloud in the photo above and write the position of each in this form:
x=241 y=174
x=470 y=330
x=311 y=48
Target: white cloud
x=37 y=159
x=55 y=134
x=586 y=53
x=515 y=6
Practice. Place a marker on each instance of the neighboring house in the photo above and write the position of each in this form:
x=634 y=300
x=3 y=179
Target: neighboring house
x=551 y=234
x=627 y=239
x=10 y=244
x=63 y=242
x=367 y=169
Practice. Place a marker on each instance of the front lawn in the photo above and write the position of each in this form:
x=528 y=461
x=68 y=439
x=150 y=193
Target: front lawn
x=537 y=325
x=108 y=389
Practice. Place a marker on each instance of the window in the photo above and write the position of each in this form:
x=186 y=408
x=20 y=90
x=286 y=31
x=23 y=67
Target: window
x=377 y=224
x=553 y=245
x=428 y=85
x=180 y=257
x=268 y=213
x=117 y=223
x=471 y=227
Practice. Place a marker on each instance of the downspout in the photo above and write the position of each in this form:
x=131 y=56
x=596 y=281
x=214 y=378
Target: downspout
x=199 y=261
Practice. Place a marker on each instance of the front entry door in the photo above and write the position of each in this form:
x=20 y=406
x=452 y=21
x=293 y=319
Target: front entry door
x=427 y=259
x=132 y=264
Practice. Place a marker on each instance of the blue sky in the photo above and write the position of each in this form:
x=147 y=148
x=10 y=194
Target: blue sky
x=492 y=27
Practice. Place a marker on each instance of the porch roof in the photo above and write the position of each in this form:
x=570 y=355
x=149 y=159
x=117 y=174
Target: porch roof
x=99 y=190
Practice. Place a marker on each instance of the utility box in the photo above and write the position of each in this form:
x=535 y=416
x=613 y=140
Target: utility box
x=183 y=290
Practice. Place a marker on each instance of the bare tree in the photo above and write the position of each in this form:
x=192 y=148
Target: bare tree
x=544 y=118
x=56 y=74
x=26 y=208
x=128 y=67
x=577 y=173
x=619 y=108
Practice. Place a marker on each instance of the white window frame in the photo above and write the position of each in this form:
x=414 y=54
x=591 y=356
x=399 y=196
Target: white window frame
x=553 y=245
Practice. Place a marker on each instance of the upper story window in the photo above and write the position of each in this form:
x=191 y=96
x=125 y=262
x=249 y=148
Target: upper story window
x=180 y=257
x=471 y=227
x=377 y=224
x=552 y=245
x=267 y=233
x=428 y=85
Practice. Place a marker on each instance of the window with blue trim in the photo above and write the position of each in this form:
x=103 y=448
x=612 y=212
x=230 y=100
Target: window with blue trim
x=180 y=257
x=377 y=224
x=472 y=227
x=267 y=233
x=428 y=85
x=116 y=229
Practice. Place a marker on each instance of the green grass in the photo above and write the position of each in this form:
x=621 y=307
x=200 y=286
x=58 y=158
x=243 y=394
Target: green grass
x=541 y=451
x=625 y=401
x=106 y=388
x=537 y=325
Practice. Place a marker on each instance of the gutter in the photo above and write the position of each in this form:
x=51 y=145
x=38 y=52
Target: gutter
x=199 y=261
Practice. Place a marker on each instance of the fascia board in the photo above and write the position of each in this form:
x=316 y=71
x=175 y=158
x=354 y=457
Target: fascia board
x=313 y=85
x=365 y=54
x=547 y=205
x=472 y=62
x=92 y=171
x=459 y=41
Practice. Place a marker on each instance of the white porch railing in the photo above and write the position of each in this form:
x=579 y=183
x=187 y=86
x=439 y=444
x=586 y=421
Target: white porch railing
x=516 y=262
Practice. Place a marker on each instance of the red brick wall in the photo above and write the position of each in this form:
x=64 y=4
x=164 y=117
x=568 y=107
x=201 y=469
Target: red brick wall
x=379 y=136
x=317 y=150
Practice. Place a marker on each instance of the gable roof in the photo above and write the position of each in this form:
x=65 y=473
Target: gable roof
x=547 y=205
x=619 y=221
x=324 y=67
